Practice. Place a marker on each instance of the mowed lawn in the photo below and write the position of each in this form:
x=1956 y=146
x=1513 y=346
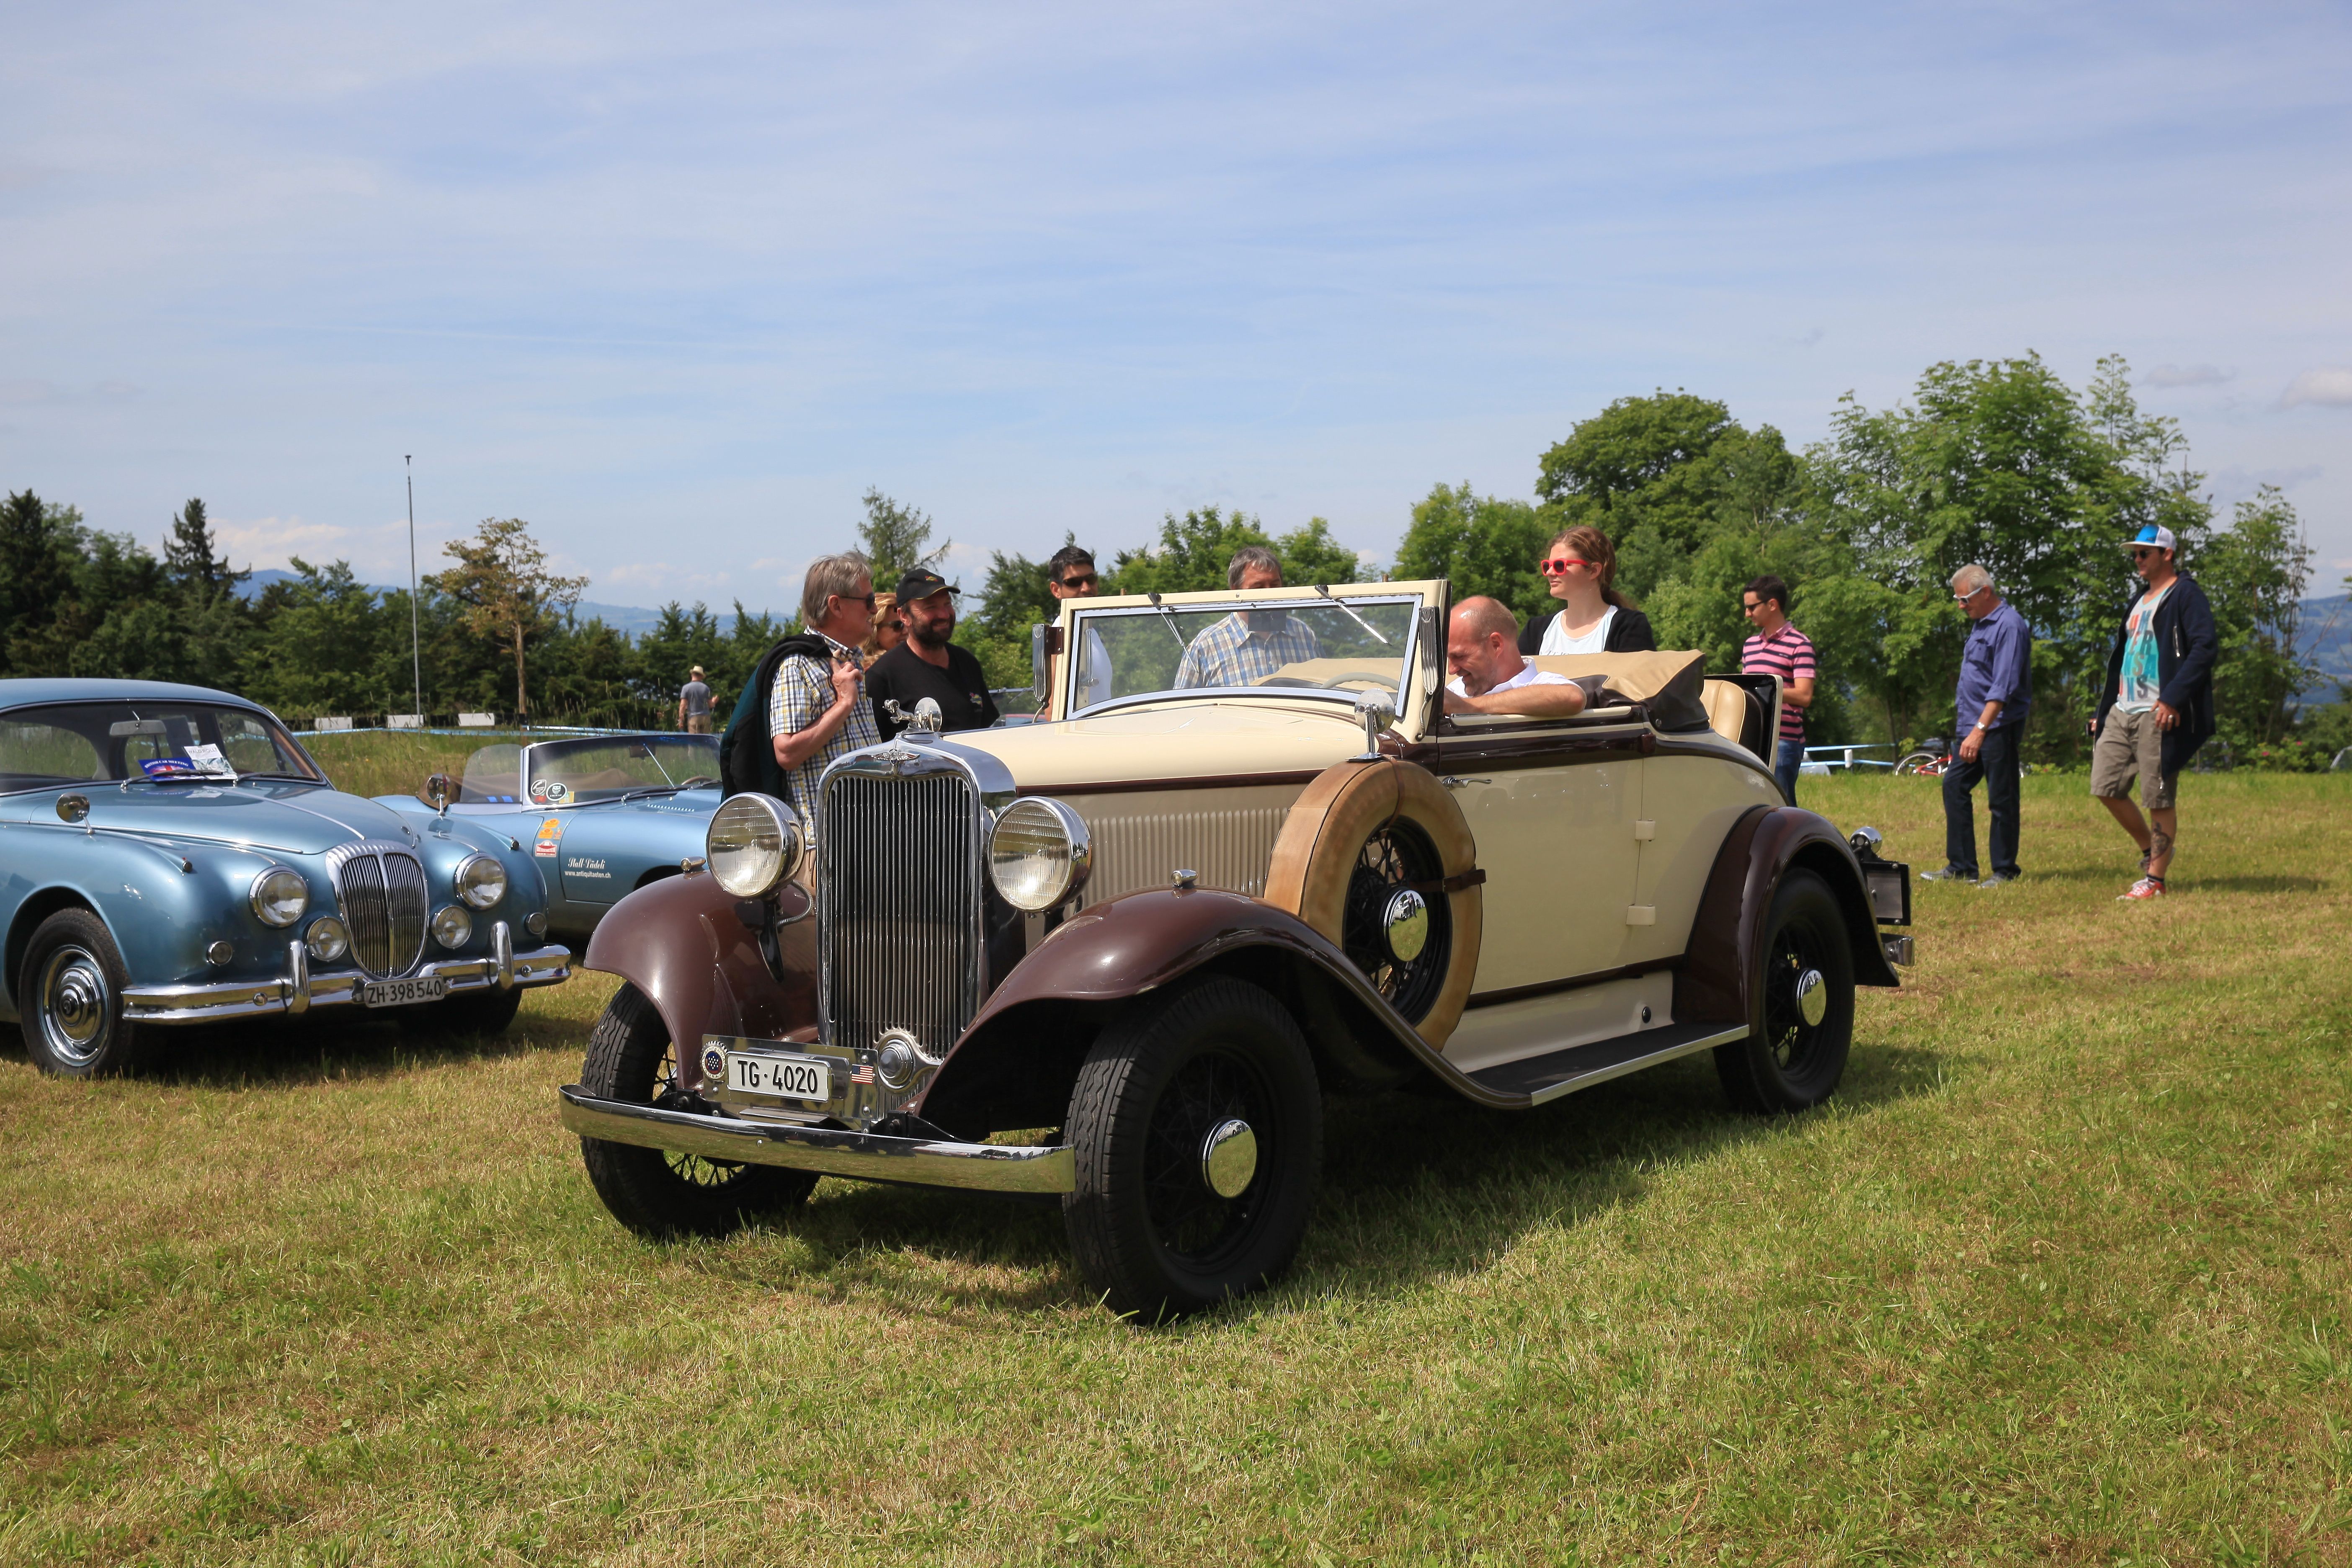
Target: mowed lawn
x=2062 y=1275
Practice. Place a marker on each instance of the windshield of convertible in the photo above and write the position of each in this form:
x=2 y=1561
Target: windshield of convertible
x=1331 y=645
x=598 y=767
x=165 y=742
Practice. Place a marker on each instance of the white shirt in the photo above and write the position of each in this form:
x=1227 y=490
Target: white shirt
x=1556 y=640
x=1528 y=675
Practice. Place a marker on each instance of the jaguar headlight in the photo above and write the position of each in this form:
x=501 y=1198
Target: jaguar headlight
x=752 y=844
x=481 y=881
x=452 y=926
x=328 y=939
x=1039 y=853
x=279 y=897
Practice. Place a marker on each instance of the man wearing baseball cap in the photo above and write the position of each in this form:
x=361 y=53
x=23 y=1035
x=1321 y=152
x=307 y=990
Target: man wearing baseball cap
x=694 y=704
x=2157 y=707
x=928 y=664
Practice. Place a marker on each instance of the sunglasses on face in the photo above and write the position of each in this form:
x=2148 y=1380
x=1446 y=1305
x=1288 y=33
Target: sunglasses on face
x=2140 y=554
x=865 y=599
x=1749 y=606
x=894 y=626
x=1558 y=566
x=1083 y=580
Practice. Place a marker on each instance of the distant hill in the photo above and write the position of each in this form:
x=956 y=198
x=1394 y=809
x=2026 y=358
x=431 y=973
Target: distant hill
x=633 y=619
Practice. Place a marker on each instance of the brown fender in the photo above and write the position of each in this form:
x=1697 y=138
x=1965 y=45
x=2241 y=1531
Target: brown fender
x=1014 y=1066
x=1325 y=831
x=1763 y=847
x=680 y=941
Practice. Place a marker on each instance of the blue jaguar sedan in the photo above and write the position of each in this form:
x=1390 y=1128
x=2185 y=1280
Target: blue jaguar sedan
x=604 y=815
x=170 y=855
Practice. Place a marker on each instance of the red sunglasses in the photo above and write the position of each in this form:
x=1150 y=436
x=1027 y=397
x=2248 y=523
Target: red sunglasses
x=1559 y=565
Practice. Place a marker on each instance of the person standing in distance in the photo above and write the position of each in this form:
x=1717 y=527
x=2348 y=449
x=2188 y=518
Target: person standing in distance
x=694 y=704
x=1779 y=648
x=1996 y=692
x=2157 y=707
x=1071 y=575
x=1580 y=569
x=928 y=664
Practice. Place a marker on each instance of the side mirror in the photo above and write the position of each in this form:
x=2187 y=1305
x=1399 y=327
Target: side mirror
x=438 y=791
x=1045 y=642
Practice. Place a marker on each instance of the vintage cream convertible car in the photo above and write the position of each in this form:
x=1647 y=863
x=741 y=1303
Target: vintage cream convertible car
x=1167 y=922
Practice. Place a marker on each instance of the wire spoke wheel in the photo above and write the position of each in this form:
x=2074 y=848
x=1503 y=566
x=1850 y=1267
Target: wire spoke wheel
x=1801 y=1005
x=1397 y=859
x=1190 y=1219
x=1792 y=1040
x=669 y=1095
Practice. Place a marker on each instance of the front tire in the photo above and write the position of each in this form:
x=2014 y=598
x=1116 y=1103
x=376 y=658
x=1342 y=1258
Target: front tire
x=1800 y=1031
x=659 y=1192
x=1919 y=763
x=71 y=988
x=1171 y=1214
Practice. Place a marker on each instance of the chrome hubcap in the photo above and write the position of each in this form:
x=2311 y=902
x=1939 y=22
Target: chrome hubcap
x=1405 y=923
x=74 y=1005
x=1229 y=1158
x=1813 y=998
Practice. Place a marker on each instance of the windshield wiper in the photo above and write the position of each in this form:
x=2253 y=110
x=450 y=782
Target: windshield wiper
x=1351 y=614
x=1170 y=616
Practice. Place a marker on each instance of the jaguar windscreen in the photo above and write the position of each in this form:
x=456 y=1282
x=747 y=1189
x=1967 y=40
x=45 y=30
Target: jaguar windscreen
x=91 y=743
x=601 y=769
x=1291 y=644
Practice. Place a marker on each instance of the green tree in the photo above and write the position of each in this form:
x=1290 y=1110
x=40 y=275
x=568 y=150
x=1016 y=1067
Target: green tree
x=1479 y=544
x=1642 y=471
x=501 y=579
x=319 y=644
x=40 y=545
x=1195 y=550
x=2254 y=574
x=893 y=537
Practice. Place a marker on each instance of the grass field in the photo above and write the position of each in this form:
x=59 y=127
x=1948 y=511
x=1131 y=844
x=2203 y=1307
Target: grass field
x=2062 y=1275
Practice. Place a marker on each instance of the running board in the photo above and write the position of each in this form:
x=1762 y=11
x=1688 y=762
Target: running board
x=1555 y=1073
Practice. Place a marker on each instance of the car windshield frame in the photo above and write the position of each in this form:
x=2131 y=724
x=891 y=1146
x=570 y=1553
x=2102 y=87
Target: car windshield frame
x=1361 y=614
x=199 y=721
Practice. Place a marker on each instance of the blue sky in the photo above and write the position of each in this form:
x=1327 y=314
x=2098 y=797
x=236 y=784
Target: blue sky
x=677 y=284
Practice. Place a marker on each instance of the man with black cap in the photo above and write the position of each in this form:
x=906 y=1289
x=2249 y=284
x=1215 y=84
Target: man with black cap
x=928 y=664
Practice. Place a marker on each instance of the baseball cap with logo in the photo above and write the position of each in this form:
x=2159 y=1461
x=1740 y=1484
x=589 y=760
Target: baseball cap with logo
x=2153 y=533
x=921 y=584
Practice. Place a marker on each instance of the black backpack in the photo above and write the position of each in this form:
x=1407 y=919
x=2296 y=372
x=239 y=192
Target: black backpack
x=747 y=753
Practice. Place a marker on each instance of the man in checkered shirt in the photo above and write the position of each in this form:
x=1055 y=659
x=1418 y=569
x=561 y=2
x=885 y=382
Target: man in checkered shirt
x=817 y=711
x=1248 y=645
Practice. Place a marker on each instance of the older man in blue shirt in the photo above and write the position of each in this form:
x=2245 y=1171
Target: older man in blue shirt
x=1995 y=694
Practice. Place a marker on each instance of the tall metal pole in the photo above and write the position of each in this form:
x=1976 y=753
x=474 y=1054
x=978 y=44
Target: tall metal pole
x=415 y=651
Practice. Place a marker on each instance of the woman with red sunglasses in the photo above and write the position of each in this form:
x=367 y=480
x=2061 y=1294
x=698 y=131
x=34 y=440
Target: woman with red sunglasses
x=1593 y=616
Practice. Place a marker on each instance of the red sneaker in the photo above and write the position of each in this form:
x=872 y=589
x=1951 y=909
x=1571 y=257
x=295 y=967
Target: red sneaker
x=2146 y=888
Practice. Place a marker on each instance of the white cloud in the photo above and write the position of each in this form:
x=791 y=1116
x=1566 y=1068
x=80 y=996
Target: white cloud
x=377 y=553
x=2188 y=375
x=2330 y=385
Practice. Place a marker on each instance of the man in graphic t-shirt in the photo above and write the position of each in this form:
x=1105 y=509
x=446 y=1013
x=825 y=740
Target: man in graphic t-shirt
x=2157 y=707
x=1779 y=648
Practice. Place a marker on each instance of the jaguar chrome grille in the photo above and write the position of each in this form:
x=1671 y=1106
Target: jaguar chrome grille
x=900 y=862
x=381 y=888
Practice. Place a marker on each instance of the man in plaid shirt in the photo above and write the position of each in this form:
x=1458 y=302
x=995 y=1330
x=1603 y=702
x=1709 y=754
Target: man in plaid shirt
x=817 y=709
x=1248 y=645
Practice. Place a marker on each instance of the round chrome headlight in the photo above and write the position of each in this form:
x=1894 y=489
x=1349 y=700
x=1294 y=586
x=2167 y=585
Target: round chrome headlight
x=1039 y=853
x=752 y=844
x=453 y=927
x=329 y=940
x=279 y=897
x=481 y=881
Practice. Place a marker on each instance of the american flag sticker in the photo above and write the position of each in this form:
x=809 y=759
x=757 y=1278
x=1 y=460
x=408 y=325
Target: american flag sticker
x=864 y=1073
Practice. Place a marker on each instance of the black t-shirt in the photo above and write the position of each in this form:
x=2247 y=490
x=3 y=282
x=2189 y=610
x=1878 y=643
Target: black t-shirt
x=961 y=689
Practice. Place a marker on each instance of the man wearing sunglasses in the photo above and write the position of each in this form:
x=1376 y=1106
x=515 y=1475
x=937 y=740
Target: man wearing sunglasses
x=1071 y=575
x=2157 y=706
x=1995 y=694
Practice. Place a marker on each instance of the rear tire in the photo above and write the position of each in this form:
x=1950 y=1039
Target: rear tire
x=659 y=1192
x=70 y=991
x=1154 y=1238
x=1788 y=1063
x=1917 y=763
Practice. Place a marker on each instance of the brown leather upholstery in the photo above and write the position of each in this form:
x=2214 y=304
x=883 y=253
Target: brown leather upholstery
x=1726 y=710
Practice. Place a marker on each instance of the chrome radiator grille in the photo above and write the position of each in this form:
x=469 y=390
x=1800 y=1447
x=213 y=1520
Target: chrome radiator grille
x=900 y=859
x=380 y=889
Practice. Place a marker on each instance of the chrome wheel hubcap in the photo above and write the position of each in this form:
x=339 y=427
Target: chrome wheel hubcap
x=1229 y=1158
x=74 y=1006
x=1813 y=998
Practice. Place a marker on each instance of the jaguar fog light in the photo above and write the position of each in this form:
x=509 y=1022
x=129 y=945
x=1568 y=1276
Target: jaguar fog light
x=752 y=844
x=328 y=939
x=452 y=926
x=279 y=897
x=480 y=880
x=1039 y=853
x=535 y=923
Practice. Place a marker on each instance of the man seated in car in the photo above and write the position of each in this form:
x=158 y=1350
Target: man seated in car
x=1248 y=645
x=1489 y=676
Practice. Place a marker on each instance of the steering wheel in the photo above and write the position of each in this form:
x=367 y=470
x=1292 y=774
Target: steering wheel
x=1339 y=684
x=700 y=781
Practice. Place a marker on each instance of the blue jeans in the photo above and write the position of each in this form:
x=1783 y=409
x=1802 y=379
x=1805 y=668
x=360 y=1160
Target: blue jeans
x=1996 y=764
x=1791 y=756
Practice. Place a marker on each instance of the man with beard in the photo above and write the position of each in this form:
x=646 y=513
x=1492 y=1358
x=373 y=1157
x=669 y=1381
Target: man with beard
x=928 y=664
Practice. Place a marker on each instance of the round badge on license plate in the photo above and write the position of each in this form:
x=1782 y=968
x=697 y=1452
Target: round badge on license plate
x=714 y=1062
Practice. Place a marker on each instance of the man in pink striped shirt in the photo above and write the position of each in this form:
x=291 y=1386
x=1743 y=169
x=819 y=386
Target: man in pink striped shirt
x=1779 y=648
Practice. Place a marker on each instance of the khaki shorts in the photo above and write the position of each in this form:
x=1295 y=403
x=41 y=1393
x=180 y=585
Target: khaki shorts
x=698 y=723
x=2130 y=745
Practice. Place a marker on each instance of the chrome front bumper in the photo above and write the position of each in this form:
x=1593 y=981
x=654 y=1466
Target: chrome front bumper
x=299 y=990
x=833 y=1152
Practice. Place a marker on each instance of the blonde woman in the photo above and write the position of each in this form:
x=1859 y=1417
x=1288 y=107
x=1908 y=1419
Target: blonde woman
x=1593 y=616
x=889 y=629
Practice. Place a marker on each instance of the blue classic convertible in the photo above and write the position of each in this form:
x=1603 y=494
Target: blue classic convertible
x=604 y=815
x=170 y=855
